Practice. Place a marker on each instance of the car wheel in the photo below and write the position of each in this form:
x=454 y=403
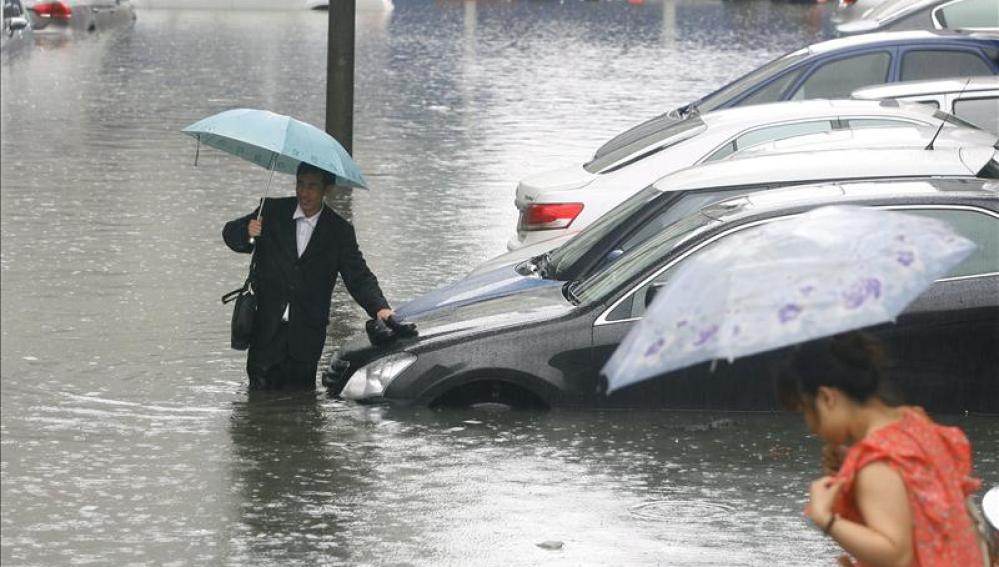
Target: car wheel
x=489 y=395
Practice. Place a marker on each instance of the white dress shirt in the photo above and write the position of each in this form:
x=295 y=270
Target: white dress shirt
x=303 y=233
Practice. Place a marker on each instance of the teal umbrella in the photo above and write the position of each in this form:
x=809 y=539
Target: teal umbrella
x=276 y=142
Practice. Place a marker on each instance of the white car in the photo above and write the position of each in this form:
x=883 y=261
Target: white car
x=567 y=200
x=975 y=99
x=882 y=138
x=954 y=154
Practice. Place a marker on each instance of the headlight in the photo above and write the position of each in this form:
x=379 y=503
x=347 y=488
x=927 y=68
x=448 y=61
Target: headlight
x=371 y=380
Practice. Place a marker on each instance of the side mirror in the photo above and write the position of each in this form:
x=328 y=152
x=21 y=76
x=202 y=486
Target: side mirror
x=18 y=23
x=652 y=292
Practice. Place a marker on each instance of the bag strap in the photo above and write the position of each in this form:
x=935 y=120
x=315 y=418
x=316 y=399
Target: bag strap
x=248 y=284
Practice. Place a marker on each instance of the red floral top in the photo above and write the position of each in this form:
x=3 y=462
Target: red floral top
x=935 y=464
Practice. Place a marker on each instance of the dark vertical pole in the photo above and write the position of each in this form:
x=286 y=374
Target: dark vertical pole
x=340 y=73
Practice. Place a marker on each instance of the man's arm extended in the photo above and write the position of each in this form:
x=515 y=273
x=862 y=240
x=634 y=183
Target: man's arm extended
x=360 y=282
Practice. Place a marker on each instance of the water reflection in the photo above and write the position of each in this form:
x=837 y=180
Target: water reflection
x=299 y=486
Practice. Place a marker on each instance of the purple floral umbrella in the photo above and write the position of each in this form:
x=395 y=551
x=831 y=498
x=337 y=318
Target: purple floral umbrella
x=824 y=272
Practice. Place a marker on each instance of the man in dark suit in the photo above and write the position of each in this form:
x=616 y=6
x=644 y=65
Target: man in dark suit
x=298 y=257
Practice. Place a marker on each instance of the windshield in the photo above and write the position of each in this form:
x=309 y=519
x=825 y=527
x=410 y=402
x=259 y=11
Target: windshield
x=746 y=82
x=637 y=261
x=643 y=140
x=563 y=257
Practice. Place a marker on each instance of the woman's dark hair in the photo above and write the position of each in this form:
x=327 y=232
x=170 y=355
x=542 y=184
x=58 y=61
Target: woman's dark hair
x=305 y=168
x=851 y=362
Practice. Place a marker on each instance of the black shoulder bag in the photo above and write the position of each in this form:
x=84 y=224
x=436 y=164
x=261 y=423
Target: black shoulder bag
x=243 y=310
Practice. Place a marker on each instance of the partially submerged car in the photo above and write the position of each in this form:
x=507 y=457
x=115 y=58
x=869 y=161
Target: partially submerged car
x=669 y=199
x=545 y=347
x=973 y=99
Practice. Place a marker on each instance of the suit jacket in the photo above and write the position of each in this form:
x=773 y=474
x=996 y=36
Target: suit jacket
x=303 y=284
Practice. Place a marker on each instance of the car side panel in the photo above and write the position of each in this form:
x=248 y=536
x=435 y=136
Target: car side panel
x=548 y=358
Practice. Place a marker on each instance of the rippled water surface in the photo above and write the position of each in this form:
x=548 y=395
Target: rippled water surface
x=128 y=436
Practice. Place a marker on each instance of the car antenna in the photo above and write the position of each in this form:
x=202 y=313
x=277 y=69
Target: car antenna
x=943 y=121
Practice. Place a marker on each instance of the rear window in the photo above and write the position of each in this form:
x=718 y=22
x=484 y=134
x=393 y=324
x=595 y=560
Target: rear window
x=735 y=89
x=646 y=139
x=968 y=14
x=940 y=64
x=982 y=112
x=839 y=78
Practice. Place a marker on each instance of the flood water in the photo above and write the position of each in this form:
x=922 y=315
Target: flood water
x=128 y=435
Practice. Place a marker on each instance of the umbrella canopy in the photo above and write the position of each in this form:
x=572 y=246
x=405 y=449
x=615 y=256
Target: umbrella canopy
x=824 y=272
x=276 y=142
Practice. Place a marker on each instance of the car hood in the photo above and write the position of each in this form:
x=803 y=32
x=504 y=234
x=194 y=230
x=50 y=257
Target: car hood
x=463 y=321
x=564 y=179
x=495 y=283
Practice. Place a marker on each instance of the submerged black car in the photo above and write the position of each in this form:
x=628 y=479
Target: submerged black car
x=545 y=347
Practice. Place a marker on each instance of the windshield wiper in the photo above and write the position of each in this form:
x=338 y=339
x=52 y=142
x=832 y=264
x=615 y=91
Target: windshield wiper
x=569 y=291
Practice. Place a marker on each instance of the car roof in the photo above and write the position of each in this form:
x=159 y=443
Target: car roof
x=791 y=110
x=914 y=191
x=898 y=37
x=805 y=166
x=884 y=137
x=936 y=86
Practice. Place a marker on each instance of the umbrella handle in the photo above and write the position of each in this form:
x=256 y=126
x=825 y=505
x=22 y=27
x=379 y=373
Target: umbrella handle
x=267 y=190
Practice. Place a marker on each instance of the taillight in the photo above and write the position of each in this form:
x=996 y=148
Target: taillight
x=549 y=216
x=847 y=2
x=58 y=10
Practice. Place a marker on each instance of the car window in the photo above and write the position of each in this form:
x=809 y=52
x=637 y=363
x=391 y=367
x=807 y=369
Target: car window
x=772 y=92
x=983 y=112
x=769 y=134
x=979 y=227
x=861 y=123
x=564 y=257
x=968 y=14
x=928 y=64
x=837 y=79
x=687 y=203
x=642 y=258
x=633 y=307
x=734 y=89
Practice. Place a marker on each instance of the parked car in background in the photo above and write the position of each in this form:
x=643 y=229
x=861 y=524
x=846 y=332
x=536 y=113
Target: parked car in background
x=885 y=138
x=975 y=99
x=569 y=199
x=65 y=16
x=17 y=33
x=831 y=69
x=545 y=347
x=657 y=206
x=897 y=15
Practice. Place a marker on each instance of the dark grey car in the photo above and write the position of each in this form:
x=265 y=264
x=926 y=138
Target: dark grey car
x=545 y=347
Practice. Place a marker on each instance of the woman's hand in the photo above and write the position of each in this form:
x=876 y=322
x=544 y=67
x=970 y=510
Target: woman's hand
x=821 y=496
